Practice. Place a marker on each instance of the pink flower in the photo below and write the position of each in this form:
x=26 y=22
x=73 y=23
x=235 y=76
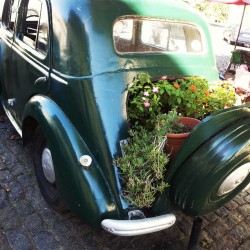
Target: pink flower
x=146 y=93
x=164 y=78
x=146 y=104
x=155 y=89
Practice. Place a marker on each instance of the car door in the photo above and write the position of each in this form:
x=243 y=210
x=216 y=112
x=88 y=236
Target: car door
x=7 y=33
x=30 y=55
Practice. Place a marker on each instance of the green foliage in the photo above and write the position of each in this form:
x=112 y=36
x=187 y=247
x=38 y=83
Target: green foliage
x=222 y=95
x=190 y=96
x=142 y=166
x=169 y=123
x=153 y=111
x=213 y=10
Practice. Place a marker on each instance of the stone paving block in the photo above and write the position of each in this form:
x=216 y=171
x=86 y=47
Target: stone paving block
x=17 y=169
x=33 y=194
x=245 y=245
x=247 y=198
x=226 y=243
x=4 y=201
x=34 y=224
x=2 y=165
x=211 y=217
x=59 y=226
x=231 y=221
x=45 y=241
x=18 y=239
x=24 y=208
x=72 y=242
x=239 y=199
x=238 y=234
x=26 y=160
x=4 y=245
x=9 y=218
x=222 y=212
x=15 y=193
x=231 y=205
x=6 y=176
x=244 y=210
x=26 y=179
x=8 y=159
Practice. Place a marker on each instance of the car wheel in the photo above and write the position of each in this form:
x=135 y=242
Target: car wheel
x=213 y=175
x=44 y=170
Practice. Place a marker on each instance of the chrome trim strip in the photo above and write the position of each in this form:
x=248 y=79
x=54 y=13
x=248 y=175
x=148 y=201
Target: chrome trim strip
x=138 y=227
x=57 y=78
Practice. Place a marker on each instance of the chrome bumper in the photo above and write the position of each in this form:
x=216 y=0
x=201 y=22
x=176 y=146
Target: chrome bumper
x=139 y=226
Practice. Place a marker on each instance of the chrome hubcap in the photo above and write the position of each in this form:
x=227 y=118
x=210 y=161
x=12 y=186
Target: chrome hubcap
x=47 y=165
x=234 y=179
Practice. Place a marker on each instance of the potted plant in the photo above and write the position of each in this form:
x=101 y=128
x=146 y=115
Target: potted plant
x=177 y=129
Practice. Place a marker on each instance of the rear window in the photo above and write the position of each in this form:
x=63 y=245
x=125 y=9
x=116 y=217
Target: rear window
x=146 y=35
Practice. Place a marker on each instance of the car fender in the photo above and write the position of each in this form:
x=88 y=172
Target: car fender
x=84 y=190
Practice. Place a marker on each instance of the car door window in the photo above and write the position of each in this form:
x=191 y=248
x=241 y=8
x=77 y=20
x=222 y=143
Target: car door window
x=9 y=14
x=35 y=26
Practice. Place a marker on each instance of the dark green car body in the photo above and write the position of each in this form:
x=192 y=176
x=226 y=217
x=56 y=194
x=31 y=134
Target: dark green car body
x=69 y=77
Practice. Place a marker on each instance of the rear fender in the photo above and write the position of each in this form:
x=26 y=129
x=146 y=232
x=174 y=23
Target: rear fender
x=85 y=191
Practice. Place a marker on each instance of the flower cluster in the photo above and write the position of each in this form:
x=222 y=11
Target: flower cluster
x=190 y=96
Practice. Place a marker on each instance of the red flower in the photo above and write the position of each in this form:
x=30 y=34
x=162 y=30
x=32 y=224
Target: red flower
x=192 y=88
x=176 y=85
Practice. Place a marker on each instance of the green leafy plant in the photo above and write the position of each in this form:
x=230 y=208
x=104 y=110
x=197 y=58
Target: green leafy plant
x=169 y=123
x=143 y=166
x=190 y=96
x=144 y=102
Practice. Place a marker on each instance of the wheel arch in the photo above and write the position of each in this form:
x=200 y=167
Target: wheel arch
x=85 y=191
x=29 y=126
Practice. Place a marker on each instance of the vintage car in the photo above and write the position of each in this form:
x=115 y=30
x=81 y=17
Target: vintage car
x=235 y=34
x=65 y=67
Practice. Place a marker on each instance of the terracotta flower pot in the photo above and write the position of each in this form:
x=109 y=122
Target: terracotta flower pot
x=175 y=141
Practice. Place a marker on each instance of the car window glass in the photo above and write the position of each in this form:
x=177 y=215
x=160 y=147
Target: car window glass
x=138 y=35
x=35 y=31
x=9 y=14
x=42 y=42
x=1 y=9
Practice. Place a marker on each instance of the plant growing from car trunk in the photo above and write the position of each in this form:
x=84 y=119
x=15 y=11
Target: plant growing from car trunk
x=154 y=109
x=191 y=96
x=143 y=165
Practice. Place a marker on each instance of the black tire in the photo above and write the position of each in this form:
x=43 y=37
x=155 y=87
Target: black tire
x=196 y=186
x=48 y=189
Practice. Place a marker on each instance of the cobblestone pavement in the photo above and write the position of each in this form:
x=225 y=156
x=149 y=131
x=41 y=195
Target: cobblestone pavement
x=26 y=222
